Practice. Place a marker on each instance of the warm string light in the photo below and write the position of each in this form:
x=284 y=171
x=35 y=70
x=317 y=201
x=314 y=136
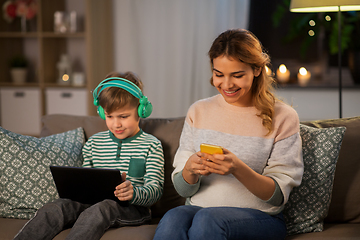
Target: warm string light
x=65 y=77
x=312 y=23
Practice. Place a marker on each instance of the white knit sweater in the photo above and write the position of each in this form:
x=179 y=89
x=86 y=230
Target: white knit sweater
x=239 y=129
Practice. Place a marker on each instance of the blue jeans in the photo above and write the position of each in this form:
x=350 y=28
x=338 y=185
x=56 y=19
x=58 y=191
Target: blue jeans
x=87 y=221
x=192 y=222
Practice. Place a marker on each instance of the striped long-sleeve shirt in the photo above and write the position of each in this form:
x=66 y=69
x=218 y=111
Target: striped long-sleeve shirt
x=140 y=156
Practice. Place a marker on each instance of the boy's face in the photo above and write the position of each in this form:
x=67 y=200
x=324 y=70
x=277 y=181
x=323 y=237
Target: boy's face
x=123 y=122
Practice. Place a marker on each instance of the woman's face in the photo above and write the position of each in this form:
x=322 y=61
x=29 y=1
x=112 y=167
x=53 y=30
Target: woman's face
x=233 y=79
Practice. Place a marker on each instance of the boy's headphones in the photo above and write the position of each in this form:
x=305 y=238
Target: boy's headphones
x=145 y=107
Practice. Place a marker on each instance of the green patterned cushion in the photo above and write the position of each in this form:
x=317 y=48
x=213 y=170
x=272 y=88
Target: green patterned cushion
x=26 y=182
x=309 y=203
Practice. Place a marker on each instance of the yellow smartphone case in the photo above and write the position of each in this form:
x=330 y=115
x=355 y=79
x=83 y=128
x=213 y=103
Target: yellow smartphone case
x=210 y=149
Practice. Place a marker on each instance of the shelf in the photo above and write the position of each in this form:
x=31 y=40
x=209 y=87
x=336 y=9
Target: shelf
x=47 y=85
x=10 y=84
x=62 y=35
x=41 y=34
x=55 y=85
x=18 y=34
x=90 y=50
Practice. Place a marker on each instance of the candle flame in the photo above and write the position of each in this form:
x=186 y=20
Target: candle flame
x=268 y=71
x=303 y=71
x=282 y=68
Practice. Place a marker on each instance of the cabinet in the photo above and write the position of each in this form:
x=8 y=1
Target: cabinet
x=66 y=101
x=90 y=48
x=20 y=109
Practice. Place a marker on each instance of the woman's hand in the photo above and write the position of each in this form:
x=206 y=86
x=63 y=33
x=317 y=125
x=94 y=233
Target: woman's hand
x=227 y=163
x=124 y=191
x=222 y=164
x=194 y=167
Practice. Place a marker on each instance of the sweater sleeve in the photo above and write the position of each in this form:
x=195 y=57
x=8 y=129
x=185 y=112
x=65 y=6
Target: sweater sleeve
x=183 y=188
x=152 y=189
x=182 y=155
x=277 y=198
x=285 y=164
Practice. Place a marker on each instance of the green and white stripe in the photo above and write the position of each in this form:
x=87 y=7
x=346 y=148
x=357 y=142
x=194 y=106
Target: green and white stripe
x=141 y=157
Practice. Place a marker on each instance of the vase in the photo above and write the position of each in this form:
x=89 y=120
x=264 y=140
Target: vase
x=18 y=75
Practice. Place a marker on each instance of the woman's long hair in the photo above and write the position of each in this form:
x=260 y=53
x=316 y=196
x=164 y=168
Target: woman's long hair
x=244 y=46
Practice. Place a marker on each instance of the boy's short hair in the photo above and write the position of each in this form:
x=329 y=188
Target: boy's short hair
x=113 y=98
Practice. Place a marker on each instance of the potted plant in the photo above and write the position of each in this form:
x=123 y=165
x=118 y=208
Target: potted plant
x=18 y=69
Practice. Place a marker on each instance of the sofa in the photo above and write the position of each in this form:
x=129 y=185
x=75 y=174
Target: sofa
x=340 y=220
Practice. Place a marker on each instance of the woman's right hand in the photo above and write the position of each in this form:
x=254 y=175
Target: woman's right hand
x=194 y=167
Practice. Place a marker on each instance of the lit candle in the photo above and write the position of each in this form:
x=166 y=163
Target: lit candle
x=303 y=76
x=283 y=74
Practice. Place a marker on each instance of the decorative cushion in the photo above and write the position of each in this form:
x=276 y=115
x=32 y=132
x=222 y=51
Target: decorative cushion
x=345 y=198
x=26 y=182
x=309 y=203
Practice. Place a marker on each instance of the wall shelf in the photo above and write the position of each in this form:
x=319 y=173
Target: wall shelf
x=90 y=48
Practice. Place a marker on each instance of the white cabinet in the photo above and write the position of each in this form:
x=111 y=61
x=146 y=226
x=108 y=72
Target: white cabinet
x=71 y=101
x=20 y=110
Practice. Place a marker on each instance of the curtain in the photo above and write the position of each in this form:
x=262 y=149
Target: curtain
x=166 y=43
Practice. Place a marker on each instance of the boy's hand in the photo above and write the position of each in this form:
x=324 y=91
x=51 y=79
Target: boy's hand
x=124 y=191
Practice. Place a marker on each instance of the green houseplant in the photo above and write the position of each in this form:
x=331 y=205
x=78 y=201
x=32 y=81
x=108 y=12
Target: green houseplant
x=18 y=69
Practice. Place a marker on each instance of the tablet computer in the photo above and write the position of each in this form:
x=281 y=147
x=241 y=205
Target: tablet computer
x=86 y=185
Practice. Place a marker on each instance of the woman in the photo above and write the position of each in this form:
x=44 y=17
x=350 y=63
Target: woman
x=238 y=194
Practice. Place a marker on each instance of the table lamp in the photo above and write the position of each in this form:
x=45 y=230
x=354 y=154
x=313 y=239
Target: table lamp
x=328 y=6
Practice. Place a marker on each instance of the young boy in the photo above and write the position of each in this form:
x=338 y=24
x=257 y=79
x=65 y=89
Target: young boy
x=138 y=155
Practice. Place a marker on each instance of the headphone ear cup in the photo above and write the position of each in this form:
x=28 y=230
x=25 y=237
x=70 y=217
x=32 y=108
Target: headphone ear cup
x=145 y=108
x=101 y=112
x=96 y=102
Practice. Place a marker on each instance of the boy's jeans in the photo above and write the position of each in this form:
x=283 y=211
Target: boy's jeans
x=87 y=221
x=219 y=223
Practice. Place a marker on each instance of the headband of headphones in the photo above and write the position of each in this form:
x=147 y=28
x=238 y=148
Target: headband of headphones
x=145 y=107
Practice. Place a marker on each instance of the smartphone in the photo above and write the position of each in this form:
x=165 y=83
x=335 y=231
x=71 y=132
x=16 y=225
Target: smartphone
x=211 y=149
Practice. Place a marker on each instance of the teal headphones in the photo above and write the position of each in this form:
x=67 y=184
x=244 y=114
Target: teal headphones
x=145 y=107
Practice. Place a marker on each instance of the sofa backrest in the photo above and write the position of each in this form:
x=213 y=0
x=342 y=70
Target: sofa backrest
x=168 y=131
x=345 y=201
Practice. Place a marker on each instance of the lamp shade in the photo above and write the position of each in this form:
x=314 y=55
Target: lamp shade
x=324 y=5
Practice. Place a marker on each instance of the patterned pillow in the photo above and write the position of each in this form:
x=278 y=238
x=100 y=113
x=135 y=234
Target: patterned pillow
x=309 y=203
x=26 y=182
